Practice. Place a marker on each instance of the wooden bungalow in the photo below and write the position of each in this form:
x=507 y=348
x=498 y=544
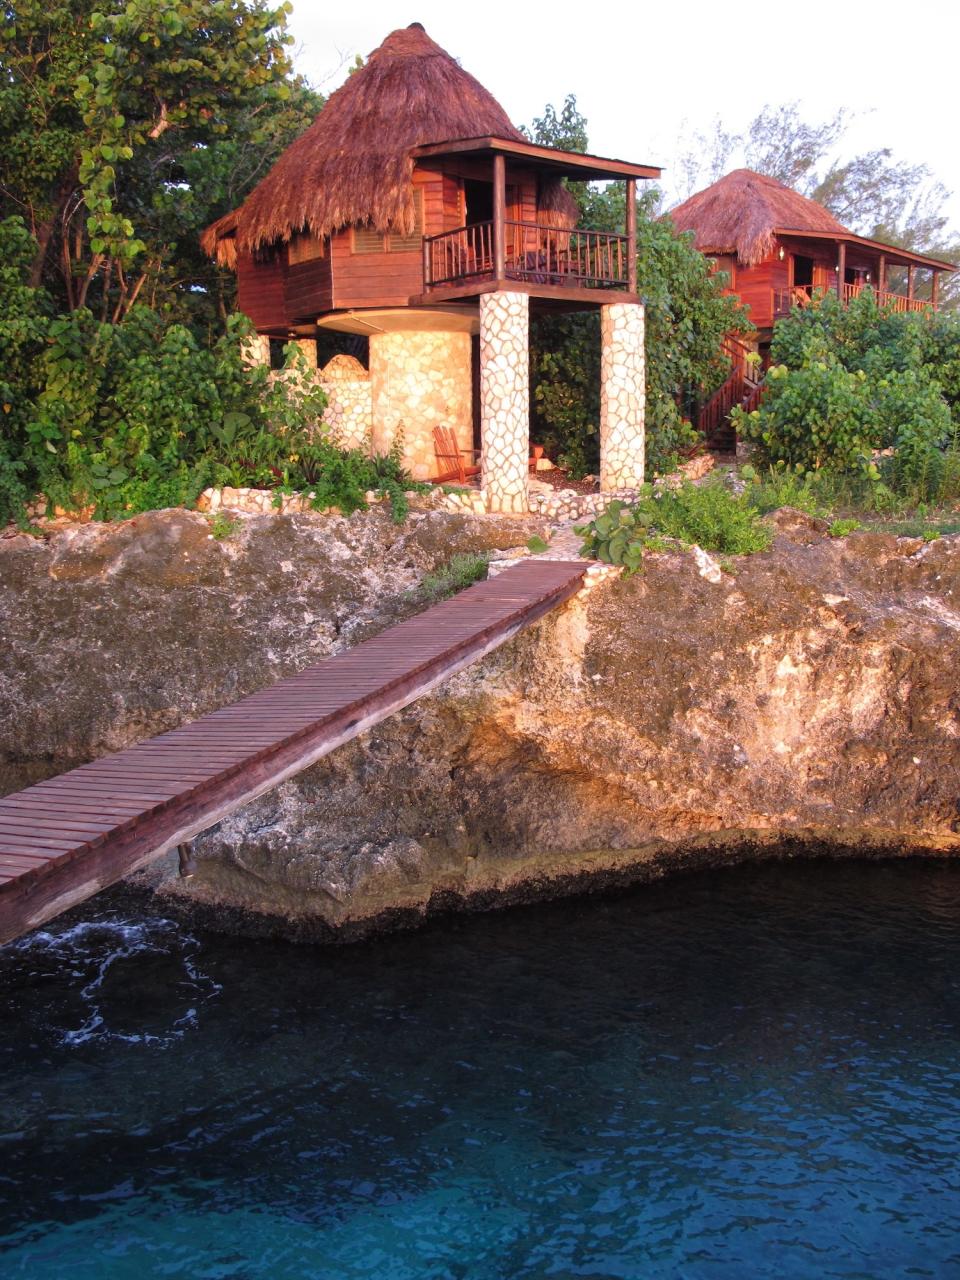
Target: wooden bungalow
x=412 y=211
x=781 y=249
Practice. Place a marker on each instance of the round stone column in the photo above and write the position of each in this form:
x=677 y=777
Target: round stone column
x=622 y=396
x=505 y=399
x=256 y=349
x=308 y=349
x=418 y=381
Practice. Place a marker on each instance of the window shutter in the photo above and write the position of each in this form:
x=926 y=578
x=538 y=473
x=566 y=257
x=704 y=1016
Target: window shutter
x=304 y=247
x=407 y=244
x=366 y=240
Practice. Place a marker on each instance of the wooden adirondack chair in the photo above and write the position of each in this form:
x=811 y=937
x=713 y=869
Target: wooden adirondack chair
x=450 y=463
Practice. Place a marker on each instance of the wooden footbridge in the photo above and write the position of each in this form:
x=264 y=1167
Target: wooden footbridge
x=65 y=839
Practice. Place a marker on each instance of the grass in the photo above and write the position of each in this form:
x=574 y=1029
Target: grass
x=849 y=502
x=221 y=525
x=459 y=572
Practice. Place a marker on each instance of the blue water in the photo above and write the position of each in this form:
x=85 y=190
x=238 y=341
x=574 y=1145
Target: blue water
x=739 y=1074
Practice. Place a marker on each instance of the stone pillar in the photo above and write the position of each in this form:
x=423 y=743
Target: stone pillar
x=622 y=396
x=256 y=349
x=505 y=399
x=419 y=381
x=308 y=349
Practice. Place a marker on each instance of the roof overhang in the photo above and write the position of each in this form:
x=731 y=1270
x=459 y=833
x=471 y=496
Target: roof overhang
x=890 y=251
x=565 y=164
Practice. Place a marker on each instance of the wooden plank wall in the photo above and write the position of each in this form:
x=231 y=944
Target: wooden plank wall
x=309 y=289
x=260 y=292
x=756 y=287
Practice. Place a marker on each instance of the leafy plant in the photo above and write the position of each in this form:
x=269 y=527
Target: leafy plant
x=617 y=536
x=840 y=528
x=221 y=526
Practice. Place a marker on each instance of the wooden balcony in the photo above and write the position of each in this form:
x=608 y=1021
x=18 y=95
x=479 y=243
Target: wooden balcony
x=532 y=254
x=805 y=295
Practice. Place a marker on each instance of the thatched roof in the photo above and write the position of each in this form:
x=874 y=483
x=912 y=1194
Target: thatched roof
x=743 y=211
x=556 y=206
x=353 y=165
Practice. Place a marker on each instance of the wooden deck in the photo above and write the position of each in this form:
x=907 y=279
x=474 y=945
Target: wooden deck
x=65 y=839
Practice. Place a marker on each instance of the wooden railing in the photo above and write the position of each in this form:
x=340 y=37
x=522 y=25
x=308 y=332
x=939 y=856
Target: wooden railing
x=741 y=387
x=803 y=295
x=535 y=254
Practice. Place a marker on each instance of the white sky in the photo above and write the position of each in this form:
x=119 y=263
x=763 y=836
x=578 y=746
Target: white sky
x=639 y=72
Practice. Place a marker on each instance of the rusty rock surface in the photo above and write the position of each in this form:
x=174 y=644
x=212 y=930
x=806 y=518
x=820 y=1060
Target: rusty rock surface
x=806 y=702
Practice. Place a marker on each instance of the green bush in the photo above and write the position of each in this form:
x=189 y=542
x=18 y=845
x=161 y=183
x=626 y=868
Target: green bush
x=708 y=515
x=711 y=516
x=863 y=392
x=134 y=416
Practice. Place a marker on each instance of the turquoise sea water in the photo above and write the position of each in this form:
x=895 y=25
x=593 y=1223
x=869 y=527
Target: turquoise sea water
x=739 y=1074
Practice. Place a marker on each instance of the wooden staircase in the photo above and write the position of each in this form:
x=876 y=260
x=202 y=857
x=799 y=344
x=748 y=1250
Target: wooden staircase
x=741 y=388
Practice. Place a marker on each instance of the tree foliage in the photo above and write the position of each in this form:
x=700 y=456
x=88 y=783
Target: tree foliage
x=686 y=318
x=129 y=125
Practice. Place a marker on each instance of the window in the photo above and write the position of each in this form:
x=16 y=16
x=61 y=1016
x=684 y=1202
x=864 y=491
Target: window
x=304 y=247
x=367 y=240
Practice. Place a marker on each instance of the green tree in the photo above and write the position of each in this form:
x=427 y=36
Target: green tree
x=686 y=318
x=109 y=113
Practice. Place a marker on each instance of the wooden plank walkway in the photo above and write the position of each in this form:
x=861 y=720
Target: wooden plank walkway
x=65 y=839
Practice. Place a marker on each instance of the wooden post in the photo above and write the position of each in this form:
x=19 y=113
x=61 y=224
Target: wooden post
x=882 y=276
x=499 y=214
x=841 y=268
x=632 y=235
x=910 y=281
x=934 y=283
x=426 y=263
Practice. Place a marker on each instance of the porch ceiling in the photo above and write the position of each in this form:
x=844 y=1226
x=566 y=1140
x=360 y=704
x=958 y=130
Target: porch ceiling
x=893 y=255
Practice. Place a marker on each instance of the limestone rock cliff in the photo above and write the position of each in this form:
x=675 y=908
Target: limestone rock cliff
x=806 y=701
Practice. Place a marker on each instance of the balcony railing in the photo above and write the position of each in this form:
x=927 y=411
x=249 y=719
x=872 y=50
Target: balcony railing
x=803 y=295
x=533 y=254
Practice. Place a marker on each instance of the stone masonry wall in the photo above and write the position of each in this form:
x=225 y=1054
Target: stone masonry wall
x=622 y=394
x=505 y=399
x=349 y=412
x=420 y=381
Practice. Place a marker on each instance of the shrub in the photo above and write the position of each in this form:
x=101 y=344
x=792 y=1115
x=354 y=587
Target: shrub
x=852 y=384
x=708 y=515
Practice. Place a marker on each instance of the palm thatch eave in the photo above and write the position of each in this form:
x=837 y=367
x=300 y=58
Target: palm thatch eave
x=353 y=166
x=742 y=212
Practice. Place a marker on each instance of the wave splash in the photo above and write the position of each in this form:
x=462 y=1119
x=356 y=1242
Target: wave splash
x=135 y=982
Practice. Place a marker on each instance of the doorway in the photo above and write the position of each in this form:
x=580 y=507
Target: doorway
x=802 y=272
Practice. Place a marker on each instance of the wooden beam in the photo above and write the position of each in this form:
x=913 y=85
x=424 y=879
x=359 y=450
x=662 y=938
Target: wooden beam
x=632 y=235
x=882 y=274
x=910 y=281
x=499 y=214
x=572 y=164
x=841 y=268
x=934 y=287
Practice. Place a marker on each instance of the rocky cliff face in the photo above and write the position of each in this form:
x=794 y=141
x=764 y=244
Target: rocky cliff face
x=805 y=702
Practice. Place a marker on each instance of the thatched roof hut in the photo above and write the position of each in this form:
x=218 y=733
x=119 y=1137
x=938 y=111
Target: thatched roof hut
x=353 y=165
x=743 y=212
